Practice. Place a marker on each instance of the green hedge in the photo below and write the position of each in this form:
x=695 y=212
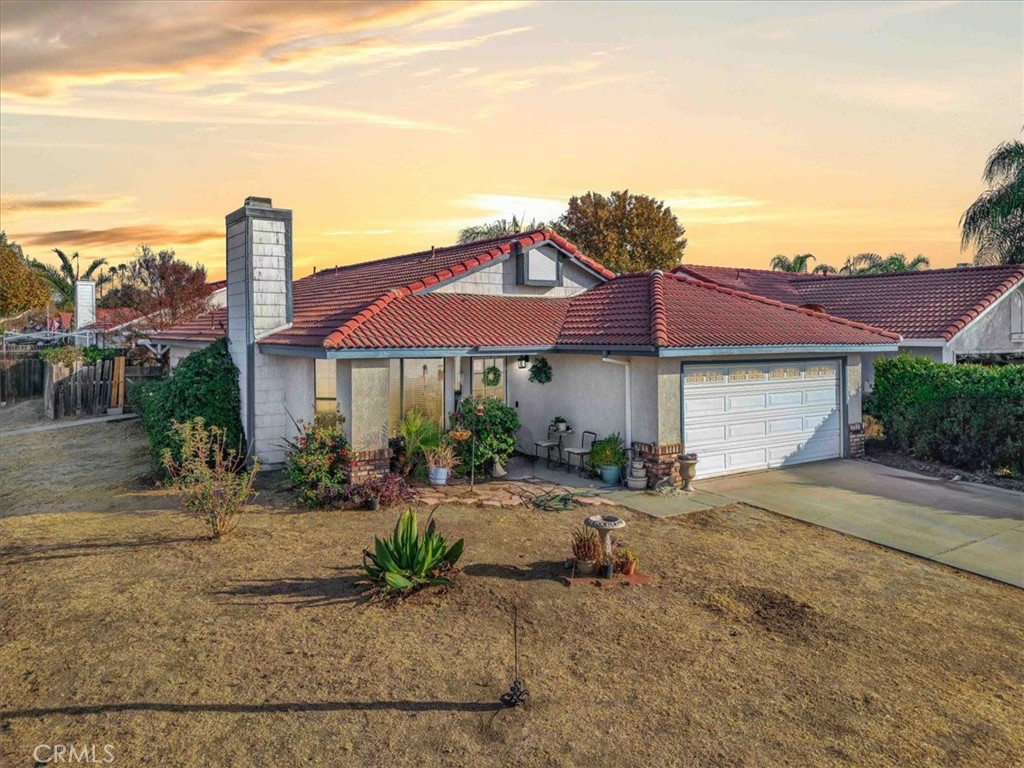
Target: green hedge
x=203 y=384
x=971 y=416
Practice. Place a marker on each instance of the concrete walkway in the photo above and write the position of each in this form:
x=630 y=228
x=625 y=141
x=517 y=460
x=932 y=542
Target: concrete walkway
x=975 y=527
x=68 y=424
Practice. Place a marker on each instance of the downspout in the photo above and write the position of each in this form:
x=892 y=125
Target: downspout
x=629 y=399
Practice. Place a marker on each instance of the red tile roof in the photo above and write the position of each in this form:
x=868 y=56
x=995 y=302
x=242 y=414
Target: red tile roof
x=678 y=311
x=385 y=305
x=451 y=320
x=329 y=305
x=202 y=329
x=931 y=304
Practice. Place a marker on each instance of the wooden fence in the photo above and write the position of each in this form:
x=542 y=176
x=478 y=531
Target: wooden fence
x=21 y=374
x=91 y=389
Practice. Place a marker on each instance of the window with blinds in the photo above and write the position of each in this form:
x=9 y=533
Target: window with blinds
x=415 y=384
x=481 y=364
x=325 y=386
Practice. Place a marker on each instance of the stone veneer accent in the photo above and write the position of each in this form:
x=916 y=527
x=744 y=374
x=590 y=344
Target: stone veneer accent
x=364 y=465
x=857 y=440
x=662 y=461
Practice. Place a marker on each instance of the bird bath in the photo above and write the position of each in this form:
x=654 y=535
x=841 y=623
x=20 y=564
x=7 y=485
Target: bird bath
x=604 y=525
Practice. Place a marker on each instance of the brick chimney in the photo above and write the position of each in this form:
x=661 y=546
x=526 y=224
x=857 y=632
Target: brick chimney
x=259 y=291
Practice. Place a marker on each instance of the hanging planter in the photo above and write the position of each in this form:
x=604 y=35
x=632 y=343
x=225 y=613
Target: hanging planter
x=540 y=371
x=492 y=376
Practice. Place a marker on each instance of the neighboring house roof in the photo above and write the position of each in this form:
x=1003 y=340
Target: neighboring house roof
x=203 y=329
x=930 y=304
x=109 y=319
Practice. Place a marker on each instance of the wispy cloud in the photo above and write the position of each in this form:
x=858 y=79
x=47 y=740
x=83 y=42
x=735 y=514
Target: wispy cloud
x=358 y=232
x=49 y=49
x=523 y=207
x=902 y=93
x=30 y=204
x=131 y=235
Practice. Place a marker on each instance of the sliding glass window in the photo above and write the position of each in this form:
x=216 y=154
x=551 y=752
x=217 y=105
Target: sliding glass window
x=416 y=384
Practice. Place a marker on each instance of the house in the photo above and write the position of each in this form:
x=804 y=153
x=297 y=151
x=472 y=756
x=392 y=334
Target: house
x=669 y=361
x=949 y=315
x=117 y=326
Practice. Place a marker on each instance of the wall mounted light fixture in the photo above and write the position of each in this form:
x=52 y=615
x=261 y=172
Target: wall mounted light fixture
x=522 y=362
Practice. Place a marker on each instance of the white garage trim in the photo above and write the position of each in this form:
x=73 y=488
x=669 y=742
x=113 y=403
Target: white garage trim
x=746 y=416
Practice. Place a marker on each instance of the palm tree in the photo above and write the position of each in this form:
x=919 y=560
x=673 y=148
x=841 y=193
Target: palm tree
x=994 y=222
x=897 y=262
x=797 y=264
x=825 y=269
x=497 y=228
x=63 y=277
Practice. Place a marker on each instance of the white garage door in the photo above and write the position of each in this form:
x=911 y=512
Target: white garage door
x=744 y=417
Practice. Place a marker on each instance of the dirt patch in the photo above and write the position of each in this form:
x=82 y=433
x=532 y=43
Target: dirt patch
x=762 y=641
x=880 y=455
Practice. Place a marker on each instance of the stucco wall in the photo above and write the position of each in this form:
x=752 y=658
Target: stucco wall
x=992 y=331
x=176 y=354
x=500 y=278
x=588 y=393
x=854 y=388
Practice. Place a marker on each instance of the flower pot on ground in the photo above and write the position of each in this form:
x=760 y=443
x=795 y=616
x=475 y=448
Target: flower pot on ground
x=607 y=570
x=625 y=561
x=440 y=462
x=586 y=550
x=608 y=455
x=373 y=503
x=688 y=469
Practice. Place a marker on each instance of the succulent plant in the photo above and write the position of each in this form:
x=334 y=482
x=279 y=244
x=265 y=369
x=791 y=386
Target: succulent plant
x=408 y=560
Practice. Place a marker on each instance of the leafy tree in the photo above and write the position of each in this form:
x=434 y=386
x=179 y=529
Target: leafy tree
x=799 y=263
x=63 y=276
x=625 y=232
x=498 y=228
x=166 y=289
x=21 y=288
x=994 y=222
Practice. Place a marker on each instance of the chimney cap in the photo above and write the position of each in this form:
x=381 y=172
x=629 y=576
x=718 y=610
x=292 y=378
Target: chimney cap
x=258 y=202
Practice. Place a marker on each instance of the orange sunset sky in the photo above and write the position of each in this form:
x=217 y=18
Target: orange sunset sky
x=386 y=126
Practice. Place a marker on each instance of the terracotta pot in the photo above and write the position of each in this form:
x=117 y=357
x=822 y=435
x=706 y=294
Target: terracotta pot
x=628 y=567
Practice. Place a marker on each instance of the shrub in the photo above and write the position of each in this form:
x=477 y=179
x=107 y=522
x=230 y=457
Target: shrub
x=971 y=416
x=318 y=460
x=409 y=561
x=419 y=434
x=494 y=432
x=389 y=490
x=608 y=452
x=69 y=355
x=204 y=384
x=210 y=476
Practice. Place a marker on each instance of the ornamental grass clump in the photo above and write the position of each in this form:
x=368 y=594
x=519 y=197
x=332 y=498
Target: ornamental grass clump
x=409 y=561
x=210 y=476
x=318 y=461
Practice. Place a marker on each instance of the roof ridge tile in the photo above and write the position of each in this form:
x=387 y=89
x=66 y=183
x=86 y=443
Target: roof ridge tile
x=659 y=319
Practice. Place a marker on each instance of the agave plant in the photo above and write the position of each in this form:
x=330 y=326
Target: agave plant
x=409 y=561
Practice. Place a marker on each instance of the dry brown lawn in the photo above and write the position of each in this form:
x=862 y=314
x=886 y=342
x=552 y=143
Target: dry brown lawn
x=763 y=641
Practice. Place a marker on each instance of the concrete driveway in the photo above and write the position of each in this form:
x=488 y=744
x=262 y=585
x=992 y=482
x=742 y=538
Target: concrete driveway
x=967 y=525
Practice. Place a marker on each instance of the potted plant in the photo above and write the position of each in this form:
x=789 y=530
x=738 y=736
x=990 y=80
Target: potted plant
x=586 y=550
x=608 y=455
x=625 y=561
x=559 y=424
x=688 y=469
x=440 y=462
